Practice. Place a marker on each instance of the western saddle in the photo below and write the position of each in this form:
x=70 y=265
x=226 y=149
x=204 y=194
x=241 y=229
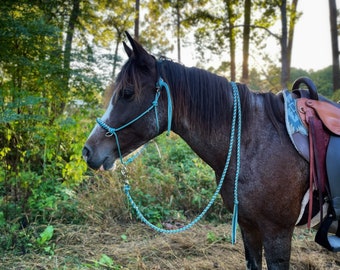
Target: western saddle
x=320 y=145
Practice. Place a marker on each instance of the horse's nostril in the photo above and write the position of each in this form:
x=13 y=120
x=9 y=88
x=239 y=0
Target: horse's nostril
x=86 y=152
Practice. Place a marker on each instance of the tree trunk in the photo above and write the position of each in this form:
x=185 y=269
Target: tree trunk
x=137 y=20
x=178 y=29
x=335 y=45
x=246 y=38
x=292 y=22
x=115 y=56
x=284 y=47
x=232 y=40
x=68 y=49
x=70 y=33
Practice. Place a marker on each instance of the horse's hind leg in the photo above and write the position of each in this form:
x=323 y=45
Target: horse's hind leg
x=253 y=249
x=277 y=248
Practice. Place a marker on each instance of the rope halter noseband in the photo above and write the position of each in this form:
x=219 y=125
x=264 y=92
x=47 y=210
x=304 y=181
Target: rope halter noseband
x=111 y=131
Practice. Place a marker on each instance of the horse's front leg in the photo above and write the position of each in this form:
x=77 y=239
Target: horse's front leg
x=277 y=248
x=252 y=241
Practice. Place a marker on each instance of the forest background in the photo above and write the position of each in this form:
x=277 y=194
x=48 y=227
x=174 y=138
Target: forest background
x=57 y=60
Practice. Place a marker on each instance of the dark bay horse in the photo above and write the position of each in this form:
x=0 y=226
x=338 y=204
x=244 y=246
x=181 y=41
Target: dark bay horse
x=273 y=176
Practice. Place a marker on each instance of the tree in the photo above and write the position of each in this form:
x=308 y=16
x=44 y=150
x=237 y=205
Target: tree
x=179 y=14
x=333 y=13
x=231 y=32
x=178 y=6
x=288 y=12
x=156 y=22
x=246 y=39
x=137 y=12
x=117 y=17
x=73 y=20
x=216 y=33
x=292 y=21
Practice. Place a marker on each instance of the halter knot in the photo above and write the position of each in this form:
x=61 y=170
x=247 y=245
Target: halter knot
x=110 y=130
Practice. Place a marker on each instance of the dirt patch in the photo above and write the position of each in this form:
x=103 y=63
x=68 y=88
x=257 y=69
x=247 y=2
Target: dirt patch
x=134 y=246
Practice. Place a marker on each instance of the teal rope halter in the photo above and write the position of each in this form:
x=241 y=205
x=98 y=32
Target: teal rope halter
x=113 y=131
x=236 y=115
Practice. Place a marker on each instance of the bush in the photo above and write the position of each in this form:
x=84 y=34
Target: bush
x=40 y=165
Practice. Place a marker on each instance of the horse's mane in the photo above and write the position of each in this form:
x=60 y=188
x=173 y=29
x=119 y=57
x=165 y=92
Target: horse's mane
x=205 y=98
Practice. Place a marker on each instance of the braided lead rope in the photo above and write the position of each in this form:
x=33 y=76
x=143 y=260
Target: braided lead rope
x=238 y=164
x=236 y=114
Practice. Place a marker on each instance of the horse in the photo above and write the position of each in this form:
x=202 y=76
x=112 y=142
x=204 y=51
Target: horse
x=273 y=176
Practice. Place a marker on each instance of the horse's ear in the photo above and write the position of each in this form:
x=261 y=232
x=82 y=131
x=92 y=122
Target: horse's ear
x=137 y=48
x=138 y=52
x=127 y=49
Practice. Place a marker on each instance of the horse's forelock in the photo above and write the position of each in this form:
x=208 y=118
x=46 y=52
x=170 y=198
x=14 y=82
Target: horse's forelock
x=129 y=75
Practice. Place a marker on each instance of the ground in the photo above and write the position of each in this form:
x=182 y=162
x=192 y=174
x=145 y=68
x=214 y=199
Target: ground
x=134 y=246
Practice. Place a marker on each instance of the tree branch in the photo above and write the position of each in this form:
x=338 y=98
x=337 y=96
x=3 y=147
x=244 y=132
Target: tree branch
x=260 y=27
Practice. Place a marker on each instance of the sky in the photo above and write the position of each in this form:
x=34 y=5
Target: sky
x=312 y=41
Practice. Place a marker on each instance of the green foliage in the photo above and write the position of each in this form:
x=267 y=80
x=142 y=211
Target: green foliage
x=22 y=240
x=105 y=262
x=322 y=79
x=42 y=130
x=42 y=241
x=212 y=238
x=336 y=96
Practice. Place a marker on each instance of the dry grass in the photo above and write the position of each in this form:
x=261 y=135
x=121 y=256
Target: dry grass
x=203 y=247
x=134 y=246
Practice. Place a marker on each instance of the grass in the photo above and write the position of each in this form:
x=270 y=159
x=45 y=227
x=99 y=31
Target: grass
x=134 y=246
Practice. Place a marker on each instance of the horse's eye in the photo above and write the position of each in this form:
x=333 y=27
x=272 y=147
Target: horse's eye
x=128 y=93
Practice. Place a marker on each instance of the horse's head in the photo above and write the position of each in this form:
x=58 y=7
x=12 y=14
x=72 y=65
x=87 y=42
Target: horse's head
x=137 y=111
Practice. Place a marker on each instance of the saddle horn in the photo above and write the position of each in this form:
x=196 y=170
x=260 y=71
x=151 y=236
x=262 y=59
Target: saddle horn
x=310 y=85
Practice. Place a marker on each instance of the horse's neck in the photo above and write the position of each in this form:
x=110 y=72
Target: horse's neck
x=213 y=148
x=205 y=148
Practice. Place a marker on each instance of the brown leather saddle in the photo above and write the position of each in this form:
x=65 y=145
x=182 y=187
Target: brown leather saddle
x=321 y=147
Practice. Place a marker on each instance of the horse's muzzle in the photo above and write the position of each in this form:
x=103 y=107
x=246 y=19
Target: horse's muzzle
x=96 y=161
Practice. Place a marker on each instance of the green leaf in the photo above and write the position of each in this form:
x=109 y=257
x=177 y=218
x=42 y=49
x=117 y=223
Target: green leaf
x=46 y=235
x=124 y=237
x=106 y=260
